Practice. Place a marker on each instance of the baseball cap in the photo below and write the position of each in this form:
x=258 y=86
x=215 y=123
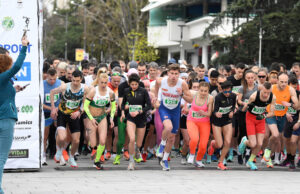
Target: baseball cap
x=132 y=71
x=172 y=61
x=183 y=66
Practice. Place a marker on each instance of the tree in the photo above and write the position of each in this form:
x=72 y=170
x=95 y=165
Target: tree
x=280 y=32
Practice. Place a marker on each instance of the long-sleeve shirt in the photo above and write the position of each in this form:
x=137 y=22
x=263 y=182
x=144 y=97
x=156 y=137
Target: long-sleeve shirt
x=224 y=105
x=8 y=108
x=139 y=97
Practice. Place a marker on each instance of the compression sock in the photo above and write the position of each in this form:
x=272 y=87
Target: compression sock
x=166 y=156
x=252 y=157
x=100 y=150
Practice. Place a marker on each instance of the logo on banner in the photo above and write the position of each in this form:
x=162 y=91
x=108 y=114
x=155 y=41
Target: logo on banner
x=27 y=109
x=21 y=138
x=25 y=72
x=8 y=23
x=24 y=122
x=24 y=153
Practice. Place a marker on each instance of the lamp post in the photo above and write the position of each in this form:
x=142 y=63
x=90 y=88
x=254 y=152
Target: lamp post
x=66 y=31
x=181 y=44
x=84 y=22
x=260 y=11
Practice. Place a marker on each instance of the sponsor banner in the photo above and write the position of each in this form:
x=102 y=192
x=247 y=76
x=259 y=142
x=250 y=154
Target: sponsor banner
x=25 y=151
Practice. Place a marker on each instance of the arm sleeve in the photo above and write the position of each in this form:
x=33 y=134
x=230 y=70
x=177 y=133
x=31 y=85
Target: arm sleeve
x=16 y=67
x=147 y=102
x=113 y=109
x=86 y=108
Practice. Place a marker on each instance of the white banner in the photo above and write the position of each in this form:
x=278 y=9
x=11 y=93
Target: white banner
x=25 y=151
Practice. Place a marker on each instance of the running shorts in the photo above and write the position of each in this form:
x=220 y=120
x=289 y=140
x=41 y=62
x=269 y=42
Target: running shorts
x=254 y=126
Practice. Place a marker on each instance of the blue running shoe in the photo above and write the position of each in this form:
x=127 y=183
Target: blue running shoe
x=251 y=165
x=149 y=156
x=214 y=158
x=165 y=165
x=208 y=159
x=160 y=151
x=242 y=145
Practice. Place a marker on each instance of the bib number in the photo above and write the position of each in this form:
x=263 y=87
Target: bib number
x=197 y=115
x=135 y=108
x=56 y=96
x=279 y=107
x=225 y=110
x=101 y=102
x=72 y=104
x=292 y=111
x=169 y=101
x=235 y=89
x=258 y=110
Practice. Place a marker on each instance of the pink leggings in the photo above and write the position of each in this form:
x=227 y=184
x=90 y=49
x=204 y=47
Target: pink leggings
x=158 y=126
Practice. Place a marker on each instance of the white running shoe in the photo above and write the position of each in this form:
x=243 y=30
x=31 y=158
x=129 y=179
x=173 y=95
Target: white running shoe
x=276 y=162
x=76 y=154
x=199 y=164
x=191 y=159
x=263 y=161
x=183 y=161
x=72 y=162
x=62 y=161
x=131 y=166
x=44 y=160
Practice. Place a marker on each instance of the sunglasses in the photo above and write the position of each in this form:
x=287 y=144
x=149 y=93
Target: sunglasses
x=261 y=76
x=227 y=92
x=220 y=83
x=115 y=74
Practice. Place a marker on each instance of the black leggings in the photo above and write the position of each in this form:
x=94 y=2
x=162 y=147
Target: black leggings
x=241 y=125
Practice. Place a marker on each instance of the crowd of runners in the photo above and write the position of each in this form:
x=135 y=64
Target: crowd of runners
x=142 y=111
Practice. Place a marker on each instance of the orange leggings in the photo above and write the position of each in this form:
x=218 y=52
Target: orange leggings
x=198 y=132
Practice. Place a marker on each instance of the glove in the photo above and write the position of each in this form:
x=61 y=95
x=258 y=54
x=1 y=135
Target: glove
x=260 y=117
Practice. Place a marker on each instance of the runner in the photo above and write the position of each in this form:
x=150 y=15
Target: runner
x=198 y=123
x=291 y=128
x=95 y=107
x=283 y=94
x=50 y=83
x=224 y=108
x=68 y=112
x=137 y=102
x=255 y=121
x=172 y=90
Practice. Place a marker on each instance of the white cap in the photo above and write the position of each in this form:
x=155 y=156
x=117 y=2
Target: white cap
x=183 y=66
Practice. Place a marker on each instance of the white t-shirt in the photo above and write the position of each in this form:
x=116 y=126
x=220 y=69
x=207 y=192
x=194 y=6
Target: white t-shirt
x=88 y=80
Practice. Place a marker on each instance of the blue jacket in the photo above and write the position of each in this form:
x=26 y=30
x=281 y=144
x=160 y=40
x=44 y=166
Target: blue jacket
x=8 y=108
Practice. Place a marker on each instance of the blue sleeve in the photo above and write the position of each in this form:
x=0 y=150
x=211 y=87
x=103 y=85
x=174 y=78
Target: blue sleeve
x=16 y=67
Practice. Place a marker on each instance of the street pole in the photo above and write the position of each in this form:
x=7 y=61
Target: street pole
x=84 y=38
x=260 y=43
x=66 y=43
x=181 y=44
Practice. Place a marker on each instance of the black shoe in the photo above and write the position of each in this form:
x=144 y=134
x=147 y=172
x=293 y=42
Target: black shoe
x=240 y=159
x=285 y=162
x=98 y=165
x=84 y=150
x=298 y=164
x=247 y=158
x=292 y=165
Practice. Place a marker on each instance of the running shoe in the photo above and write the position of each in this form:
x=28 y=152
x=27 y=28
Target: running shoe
x=160 y=151
x=165 y=165
x=191 y=159
x=221 y=166
x=138 y=160
x=225 y=162
x=62 y=161
x=242 y=145
x=292 y=166
x=276 y=162
x=208 y=159
x=65 y=155
x=144 y=156
x=126 y=155
x=298 y=163
x=93 y=154
x=285 y=162
x=102 y=159
x=214 y=158
x=263 y=161
x=270 y=164
x=150 y=156
x=72 y=162
x=267 y=155
x=230 y=158
x=240 y=159
x=44 y=160
x=117 y=159
x=85 y=150
x=251 y=165
x=199 y=164
x=183 y=160
x=131 y=165
x=57 y=156
x=98 y=165
x=108 y=155
x=76 y=154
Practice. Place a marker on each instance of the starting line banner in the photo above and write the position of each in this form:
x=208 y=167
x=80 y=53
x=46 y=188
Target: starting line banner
x=25 y=150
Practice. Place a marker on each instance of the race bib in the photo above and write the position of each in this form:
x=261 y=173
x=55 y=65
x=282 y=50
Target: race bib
x=197 y=115
x=169 y=101
x=235 y=89
x=258 y=110
x=246 y=100
x=47 y=96
x=72 y=104
x=291 y=111
x=135 y=108
x=279 y=107
x=225 y=110
x=101 y=102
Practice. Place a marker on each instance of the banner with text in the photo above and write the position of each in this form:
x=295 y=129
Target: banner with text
x=25 y=151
